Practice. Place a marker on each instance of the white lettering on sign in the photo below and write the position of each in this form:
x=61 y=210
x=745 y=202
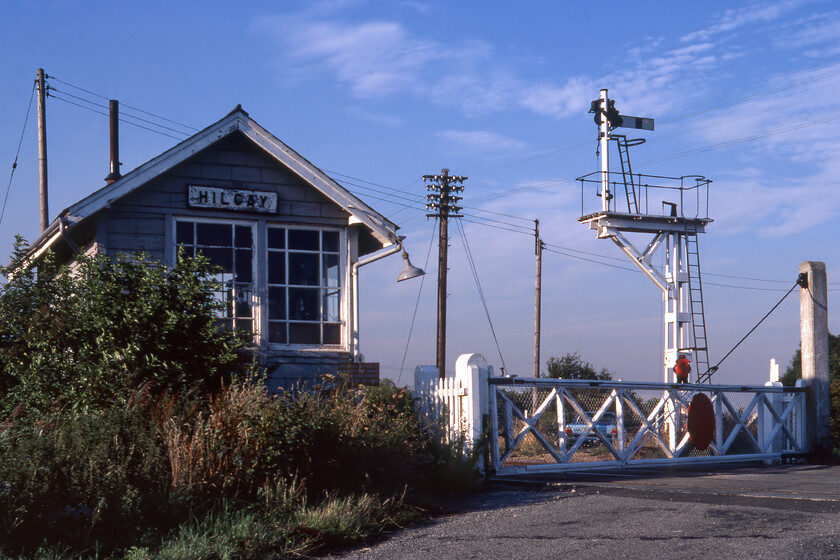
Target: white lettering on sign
x=232 y=199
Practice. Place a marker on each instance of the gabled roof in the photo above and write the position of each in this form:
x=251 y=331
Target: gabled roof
x=237 y=120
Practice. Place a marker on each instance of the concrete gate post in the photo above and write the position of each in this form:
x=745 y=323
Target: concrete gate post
x=472 y=371
x=813 y=318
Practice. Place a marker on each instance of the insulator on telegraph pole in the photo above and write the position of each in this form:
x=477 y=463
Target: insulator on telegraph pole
x=442 y=201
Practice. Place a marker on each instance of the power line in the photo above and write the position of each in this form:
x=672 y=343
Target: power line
x=416 y=305
x=592 y=260
x=565 y=251
x=123 y=114
x=728 y=143
x=474 y=270
x=610 y=257
x=487 y=222
x=124 y=104
x=498 y=227
x=633 y=269
x=714 y=368
x=502 y=225
x=529 y=220
x=490 y=220
x=122 y=120
x=17 y=154
x=750 y=99
x=402 y=189
x=390 y=193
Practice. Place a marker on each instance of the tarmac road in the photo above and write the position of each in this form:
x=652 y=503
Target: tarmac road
x=758 y=512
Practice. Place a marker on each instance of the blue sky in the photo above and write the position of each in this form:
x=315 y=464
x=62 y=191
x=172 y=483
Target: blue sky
x=379 y=93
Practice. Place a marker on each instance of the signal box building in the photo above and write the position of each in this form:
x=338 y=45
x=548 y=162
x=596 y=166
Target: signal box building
x=288 y=240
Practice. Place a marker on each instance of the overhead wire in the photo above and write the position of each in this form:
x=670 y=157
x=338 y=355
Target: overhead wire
x=496 y=227
x=474 y=270
x=832 y=117
x=511 y=226
x=529 y=220
x=179 y=138
x=752 y=98
x=417 y=203
x=17 y=153
x=416 y=306
x=123 y=114
x=634 y=269
x=502 y=225
x=715 y=367
x=99 y=95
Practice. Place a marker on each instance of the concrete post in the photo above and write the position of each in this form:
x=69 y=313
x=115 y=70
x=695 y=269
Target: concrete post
x=472 y=371
x=813 y=318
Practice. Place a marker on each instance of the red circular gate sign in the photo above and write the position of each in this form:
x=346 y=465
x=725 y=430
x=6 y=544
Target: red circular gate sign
x=701 y=421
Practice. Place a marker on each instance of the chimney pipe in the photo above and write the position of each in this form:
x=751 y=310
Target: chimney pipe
x=114 y=106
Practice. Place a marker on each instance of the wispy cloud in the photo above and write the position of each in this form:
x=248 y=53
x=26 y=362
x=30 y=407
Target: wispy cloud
x=379 y=59
x=784 y=116
x=376 y=59
x=377 y=118
x=372 y=59
x=559 y=101
x=481 y=141
x=737 y=18
x=384 y=59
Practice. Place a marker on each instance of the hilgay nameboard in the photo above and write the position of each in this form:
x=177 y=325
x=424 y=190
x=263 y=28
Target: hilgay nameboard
x=232 y=199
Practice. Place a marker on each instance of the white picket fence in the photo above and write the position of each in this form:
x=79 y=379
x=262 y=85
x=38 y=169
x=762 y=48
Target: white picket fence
x=442 y=407
x=452 y=405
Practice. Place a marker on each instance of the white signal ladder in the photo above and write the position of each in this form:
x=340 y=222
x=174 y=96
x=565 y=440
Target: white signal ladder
x=698 y=316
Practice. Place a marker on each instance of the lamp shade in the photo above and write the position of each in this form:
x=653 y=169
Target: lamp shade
x=409 y=271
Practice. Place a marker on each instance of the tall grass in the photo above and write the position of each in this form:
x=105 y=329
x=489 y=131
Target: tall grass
x=239 y=474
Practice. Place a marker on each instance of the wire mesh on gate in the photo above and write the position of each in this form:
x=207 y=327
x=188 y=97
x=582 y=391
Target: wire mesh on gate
x=539 y=423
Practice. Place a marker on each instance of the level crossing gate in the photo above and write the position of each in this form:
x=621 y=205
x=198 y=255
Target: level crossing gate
x=555 y=425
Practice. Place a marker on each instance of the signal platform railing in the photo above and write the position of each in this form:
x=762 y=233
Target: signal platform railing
x=636 y=193
x=556 y=425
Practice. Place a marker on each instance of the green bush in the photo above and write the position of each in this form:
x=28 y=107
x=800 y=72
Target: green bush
x=90 y=336
x=81 y=478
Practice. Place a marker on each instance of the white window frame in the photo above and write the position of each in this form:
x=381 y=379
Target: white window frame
x=342 y=285
x=259 y=271
x=255 y=289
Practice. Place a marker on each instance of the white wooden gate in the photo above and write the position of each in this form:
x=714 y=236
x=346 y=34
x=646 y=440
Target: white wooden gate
x=538 y=425
x=560 y=425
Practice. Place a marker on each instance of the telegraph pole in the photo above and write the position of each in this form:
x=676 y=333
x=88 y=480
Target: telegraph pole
x=42 y=148
x=538 y=248
x=443 y=202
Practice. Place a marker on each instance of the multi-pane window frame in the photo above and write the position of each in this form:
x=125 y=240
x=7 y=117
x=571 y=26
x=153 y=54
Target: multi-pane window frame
x=333 y=332
x=305 y=277
x=239 y=282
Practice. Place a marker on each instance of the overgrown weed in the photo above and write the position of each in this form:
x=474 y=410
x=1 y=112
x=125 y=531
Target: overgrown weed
x=239 y=474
